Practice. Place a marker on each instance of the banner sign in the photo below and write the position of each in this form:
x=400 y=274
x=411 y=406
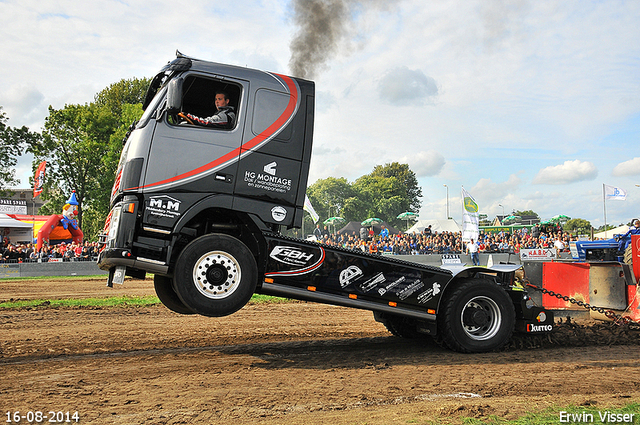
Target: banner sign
x=9 y=270
x=38 y=179
x=542 y=254
x=13 y=206
x=451 y=259
x=615 y=193
x=309 y=208
x=470 y=218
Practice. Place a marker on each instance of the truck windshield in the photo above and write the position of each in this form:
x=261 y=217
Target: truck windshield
x=151 y=108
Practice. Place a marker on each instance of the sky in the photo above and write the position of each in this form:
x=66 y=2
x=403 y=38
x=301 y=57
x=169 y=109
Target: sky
x=528 y=105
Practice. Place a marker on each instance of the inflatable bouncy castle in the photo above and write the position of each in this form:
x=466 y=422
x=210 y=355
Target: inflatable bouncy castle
x=62 y=228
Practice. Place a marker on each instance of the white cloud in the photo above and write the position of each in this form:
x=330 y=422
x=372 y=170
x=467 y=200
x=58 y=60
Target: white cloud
x=425 y=163
x=488 y=190
x=403 y=86
x=24 y=105
x=569 y=172
x=627 y=168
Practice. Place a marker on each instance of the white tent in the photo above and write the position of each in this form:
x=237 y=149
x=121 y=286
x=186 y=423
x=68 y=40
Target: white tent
x=611 y=232
x=17 y=231
x=12 y=223
x=436 y=226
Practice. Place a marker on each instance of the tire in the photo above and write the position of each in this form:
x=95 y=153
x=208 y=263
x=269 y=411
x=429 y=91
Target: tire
x=164 y=290
x=628 y=255
x=403 y=327
x=215 y=275
x=478 y=316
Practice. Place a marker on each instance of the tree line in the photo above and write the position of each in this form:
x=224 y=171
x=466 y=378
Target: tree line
x=82 y=144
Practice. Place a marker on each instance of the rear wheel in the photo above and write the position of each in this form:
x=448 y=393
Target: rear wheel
x=215 y=275
x=628 y=255
x=477 y=316
x=403 y=327
x=164 y=290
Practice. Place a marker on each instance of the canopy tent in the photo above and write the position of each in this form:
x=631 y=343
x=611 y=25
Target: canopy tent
x=17 y=231
x=438 y=226
x=10 y=222
x=354 y=226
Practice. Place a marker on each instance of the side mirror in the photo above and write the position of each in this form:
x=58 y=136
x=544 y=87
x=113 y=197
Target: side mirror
x=174 y=95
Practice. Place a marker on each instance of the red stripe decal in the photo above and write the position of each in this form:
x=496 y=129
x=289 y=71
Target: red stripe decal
x=270 y=131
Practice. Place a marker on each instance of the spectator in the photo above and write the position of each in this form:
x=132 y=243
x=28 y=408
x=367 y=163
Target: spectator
x=472 y=249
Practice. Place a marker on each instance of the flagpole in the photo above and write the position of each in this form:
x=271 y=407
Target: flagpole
x=604 y=204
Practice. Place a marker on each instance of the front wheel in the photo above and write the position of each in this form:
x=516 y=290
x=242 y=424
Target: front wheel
x=477 y=316
x=167 y=295
x=215 y=275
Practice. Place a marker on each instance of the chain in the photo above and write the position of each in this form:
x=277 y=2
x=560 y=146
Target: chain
x=610 y=314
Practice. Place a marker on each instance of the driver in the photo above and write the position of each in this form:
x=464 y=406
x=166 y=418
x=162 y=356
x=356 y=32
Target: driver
x=625 y=240
x=223 y=118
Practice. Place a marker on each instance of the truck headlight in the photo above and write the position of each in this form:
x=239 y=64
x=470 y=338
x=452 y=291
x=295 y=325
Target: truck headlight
x=115 y=221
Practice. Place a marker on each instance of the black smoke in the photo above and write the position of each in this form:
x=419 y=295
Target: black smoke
x=322 y=25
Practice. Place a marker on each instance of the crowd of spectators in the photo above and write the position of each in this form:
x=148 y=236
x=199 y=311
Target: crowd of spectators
x=26 y=253
x=425 y=242
x=430 y=242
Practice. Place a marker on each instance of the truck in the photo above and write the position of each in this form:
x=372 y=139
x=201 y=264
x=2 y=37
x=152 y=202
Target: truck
x=202 y=209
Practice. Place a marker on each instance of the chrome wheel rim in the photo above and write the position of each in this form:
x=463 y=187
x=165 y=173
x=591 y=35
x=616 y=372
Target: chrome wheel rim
x=481 y=318
x=216 y=275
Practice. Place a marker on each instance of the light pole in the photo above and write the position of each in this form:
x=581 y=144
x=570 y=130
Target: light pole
x=500 y=205
x=447 y=187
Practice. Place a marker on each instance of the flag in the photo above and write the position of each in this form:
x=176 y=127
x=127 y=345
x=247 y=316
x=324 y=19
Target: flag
x=470 y=217
x=38 y=179
x=615 y=193
x=309 y=208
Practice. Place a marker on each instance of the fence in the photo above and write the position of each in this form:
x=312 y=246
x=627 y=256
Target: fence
x=51 y=268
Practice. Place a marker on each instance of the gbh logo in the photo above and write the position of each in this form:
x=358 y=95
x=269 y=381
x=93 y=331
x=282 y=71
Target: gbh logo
x=291 y=255
x=165 y=202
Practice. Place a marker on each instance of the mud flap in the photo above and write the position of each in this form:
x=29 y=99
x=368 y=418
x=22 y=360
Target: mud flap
x=116 y=275
x=535 y=320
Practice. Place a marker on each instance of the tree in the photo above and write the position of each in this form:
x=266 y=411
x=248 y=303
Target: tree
x=124 y=92
x=408 y=183
x=75 y=140
x=12 y=142
x=385 y=193
x=97 y=207
x=578 y=226
x=328 y=196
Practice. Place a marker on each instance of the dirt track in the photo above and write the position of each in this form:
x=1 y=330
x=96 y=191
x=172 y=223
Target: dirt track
x=274 y=364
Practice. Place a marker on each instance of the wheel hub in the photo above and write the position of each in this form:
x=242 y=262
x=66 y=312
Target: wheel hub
x=216 y=274
x=475 y=317
x=481 y=318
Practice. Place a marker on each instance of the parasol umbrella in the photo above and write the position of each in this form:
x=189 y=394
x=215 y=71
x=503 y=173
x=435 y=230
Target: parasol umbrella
x=371 y=221
x=560 y=218
x=333 y=220
x=406 y=216
x=512 y=218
